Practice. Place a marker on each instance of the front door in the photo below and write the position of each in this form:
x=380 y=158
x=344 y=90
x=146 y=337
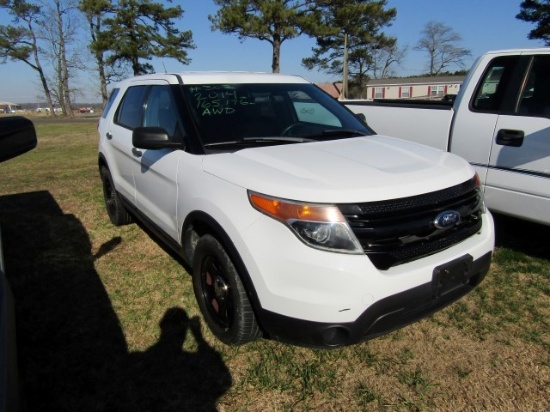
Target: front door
x=518 y=177
x=156 y=171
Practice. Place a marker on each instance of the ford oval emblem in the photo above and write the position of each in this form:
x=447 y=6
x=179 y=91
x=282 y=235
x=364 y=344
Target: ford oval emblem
x=447 y=219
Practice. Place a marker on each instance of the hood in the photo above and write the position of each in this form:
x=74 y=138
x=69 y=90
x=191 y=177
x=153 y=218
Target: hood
x=360 y=169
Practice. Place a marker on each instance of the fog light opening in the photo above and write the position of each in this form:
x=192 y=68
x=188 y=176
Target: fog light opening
x=335 y=336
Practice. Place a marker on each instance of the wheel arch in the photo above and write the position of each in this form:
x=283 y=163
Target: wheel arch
x=199 y=223
x=101 y=161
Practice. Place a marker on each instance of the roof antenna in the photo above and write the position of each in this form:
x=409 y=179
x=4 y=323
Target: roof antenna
x=165 y=72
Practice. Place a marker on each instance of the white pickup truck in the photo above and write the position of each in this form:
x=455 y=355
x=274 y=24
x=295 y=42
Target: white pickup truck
x=500 y=123
x=296 y=221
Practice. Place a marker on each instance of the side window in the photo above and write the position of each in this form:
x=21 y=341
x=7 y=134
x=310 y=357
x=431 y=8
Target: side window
x=131 y=108
x=110 y=102
x=161 y=111
x=535 y=97
x=490 y=94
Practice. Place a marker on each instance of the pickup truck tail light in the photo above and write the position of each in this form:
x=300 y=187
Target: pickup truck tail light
x=319 y=226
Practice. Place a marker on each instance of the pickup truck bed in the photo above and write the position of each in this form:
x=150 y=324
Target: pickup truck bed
x=424 y=122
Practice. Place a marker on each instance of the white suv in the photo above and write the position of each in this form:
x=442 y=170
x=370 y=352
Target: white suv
x=299 y=223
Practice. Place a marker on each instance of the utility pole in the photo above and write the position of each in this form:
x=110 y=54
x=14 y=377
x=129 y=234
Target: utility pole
x=345 y=80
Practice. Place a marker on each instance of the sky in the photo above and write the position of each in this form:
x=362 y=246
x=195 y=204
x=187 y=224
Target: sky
x=483 y=25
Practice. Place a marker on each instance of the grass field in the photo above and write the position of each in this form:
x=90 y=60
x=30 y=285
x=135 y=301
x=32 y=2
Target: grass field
x=107 y=320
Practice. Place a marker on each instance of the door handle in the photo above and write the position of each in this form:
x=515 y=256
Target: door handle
x=507 y=137
x=136 y=152
x=109 y=136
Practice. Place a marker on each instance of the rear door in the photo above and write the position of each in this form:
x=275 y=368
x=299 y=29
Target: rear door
x=118 y=138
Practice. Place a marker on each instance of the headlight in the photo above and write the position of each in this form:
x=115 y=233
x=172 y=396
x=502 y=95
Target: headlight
x=319 y=226
x=479 y=189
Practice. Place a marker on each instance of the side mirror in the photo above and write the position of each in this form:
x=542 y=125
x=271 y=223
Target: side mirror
x=362 y=117
x=17 y=136
x=153 y=138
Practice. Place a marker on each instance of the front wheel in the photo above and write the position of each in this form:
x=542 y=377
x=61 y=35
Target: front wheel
x=221 y=295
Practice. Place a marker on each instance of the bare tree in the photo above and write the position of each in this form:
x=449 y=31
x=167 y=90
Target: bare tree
x=384 y=59
x=95 y=12
x=59 y=29
x=441 y=43
x=19 y=42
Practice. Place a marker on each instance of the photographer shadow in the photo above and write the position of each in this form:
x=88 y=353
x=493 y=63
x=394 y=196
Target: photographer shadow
x=194 y=380
x=73 y=355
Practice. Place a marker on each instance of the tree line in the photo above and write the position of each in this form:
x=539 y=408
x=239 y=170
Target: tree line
x=124 y=35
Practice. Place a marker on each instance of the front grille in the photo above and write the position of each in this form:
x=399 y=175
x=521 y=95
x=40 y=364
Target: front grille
x=396 y=231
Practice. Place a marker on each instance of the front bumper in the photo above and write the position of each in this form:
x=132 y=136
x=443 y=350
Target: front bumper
x=450 y=282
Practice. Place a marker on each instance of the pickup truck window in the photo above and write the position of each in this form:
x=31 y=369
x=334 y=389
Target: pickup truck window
x=491 y=92
x=272 y=113
x=535 y=98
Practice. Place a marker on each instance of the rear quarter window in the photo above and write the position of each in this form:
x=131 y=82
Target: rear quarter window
x=110 y=102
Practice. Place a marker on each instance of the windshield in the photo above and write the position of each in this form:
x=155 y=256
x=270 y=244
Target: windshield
x=248 y=114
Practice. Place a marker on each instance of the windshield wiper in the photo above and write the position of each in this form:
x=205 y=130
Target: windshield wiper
x=289 y=139
x=336 y=132
x=221 y=144
x=247 y=141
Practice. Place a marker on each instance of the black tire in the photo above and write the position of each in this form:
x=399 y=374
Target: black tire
x=117 y=213
x=221 y=295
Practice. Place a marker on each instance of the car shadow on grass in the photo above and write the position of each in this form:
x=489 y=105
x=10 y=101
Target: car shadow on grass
x=522 y=236
x=72 y=352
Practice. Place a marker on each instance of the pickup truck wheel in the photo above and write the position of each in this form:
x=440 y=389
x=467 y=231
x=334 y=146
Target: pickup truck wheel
x=221 y=294
x=117 y=213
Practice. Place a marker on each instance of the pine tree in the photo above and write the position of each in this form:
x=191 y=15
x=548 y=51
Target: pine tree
x=348 y=36
x=140 y=30
x=538 y=12
x=273 y=21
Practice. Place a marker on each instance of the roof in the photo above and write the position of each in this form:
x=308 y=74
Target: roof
x=218 y=78
x=535 y=50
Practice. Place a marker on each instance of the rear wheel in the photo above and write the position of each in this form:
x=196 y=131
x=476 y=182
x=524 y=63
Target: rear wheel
x=117 y=213
x=221 y=295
